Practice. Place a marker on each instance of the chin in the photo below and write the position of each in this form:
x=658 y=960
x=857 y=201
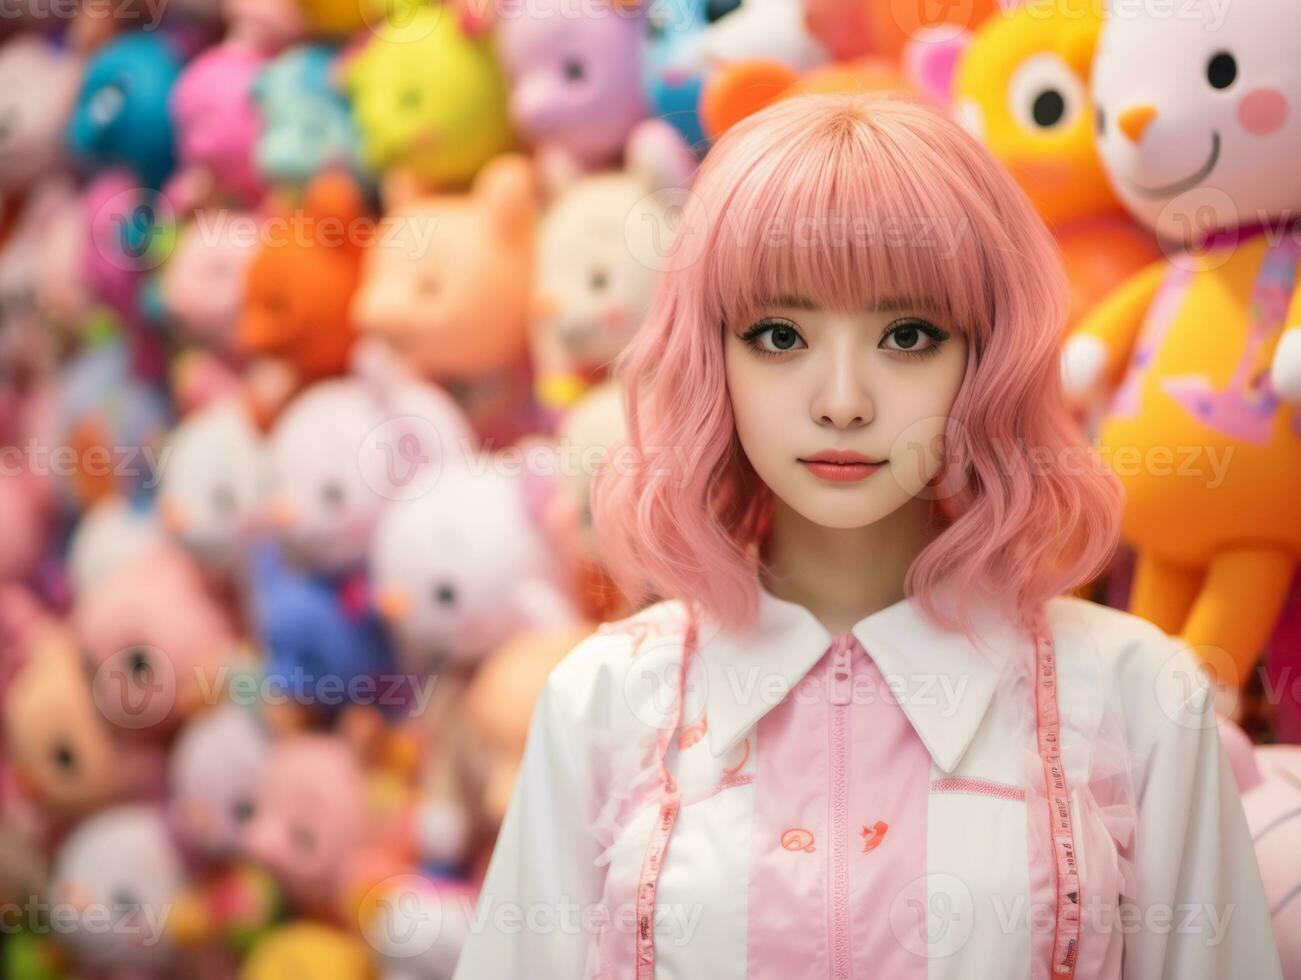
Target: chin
x=846 y=507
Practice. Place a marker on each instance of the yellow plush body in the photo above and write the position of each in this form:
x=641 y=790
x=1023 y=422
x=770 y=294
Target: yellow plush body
x=428 y=99
x=1203 y=446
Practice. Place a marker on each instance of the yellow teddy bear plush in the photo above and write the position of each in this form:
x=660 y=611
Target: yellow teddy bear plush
x=1020 y=83
x=1199 y=127
x=429 y=98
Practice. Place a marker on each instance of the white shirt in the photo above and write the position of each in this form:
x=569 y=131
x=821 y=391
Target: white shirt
x=889 y=822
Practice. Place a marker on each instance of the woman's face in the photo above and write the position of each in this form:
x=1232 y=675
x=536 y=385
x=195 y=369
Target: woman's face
x=842 y=414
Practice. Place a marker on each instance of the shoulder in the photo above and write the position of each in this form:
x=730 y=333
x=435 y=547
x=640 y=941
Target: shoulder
x=621 y=666
x=1148 y=676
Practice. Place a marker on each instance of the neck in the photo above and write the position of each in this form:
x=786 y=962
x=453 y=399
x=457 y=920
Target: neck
x=842 y=575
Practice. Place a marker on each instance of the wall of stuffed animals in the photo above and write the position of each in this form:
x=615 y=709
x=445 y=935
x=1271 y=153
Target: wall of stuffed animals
x=307 y=316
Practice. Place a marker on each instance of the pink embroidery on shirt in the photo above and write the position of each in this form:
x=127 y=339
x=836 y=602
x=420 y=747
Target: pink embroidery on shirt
x=980 y=787
x=873 y=835
x=797 y=839
x=693 y=733
x=732 y=770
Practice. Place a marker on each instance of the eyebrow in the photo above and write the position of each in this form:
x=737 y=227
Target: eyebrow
x=891 y=304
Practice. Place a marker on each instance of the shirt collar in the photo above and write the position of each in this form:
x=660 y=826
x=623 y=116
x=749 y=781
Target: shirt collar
x=944 y=682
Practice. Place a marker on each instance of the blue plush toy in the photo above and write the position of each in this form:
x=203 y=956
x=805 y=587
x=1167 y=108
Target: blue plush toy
x=320 y=639
x=674 y=93
x=121 y=118
x=307 y=124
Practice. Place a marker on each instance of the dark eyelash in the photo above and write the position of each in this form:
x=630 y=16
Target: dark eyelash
x=759 y=327
x=937 y=335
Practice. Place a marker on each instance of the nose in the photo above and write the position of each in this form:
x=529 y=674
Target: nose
x=1133 y=122
x=841 y=402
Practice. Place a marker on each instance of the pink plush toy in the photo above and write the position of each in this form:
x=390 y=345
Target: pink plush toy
x=1269 y=778
x=310 y=819
x=202 y=286
x=449 y=291
x=213 y=776
x=268 y=25
x=38 y=89
x=120 y=868
x=575 y=82
x=155 y=641
x=341 y=451
x=217 y=127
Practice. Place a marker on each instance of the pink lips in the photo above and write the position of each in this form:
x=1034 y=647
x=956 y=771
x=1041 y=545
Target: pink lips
x=841 y=466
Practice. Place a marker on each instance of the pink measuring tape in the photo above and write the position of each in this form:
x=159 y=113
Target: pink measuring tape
x=1066 y=931
x=670 y=804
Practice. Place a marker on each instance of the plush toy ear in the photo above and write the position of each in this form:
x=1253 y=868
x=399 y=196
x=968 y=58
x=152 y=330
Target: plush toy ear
x=335 y=195
x=398 y=188
x=348 y=65
x=506 y=188
x=658 y=153
x=931 y=59
x=1079 y=41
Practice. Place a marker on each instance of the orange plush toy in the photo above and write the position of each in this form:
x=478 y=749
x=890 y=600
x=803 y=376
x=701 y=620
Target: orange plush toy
x=297 y=327
x=742 y=88
x=881 y=28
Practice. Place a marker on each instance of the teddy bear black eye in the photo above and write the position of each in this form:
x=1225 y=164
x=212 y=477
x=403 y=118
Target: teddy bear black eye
x=242 y=811
x=1102 y=122
x=600 y=279
x=137 y=662
x=1222 y=70
x=445 y=594
x=64 y=757
x=574 y=70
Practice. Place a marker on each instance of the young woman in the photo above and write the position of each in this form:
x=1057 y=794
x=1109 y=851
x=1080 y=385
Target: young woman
x=864 y=733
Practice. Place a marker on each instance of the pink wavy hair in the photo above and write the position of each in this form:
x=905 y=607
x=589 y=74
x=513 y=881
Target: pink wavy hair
x=690 y=525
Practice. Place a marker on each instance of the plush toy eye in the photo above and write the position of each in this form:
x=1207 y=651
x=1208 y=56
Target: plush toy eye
x=411 y=99
x=242 y=811
x=574 y=70
x=64 y=757
x=445 y=594
x=718 y=9
x=332 y=494
x=303 y=838
x=1101 y=122
x=138 y=663
x=1045 y=94
x=1222 y=70
x=600 y=280
x=223 y=500
x=124 y=898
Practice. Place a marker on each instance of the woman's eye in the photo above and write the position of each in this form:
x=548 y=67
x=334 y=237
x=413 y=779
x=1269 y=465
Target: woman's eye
x=774 y=337
x=913 y=337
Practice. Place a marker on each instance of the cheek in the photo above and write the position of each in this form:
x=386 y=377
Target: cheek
x=1263 y=112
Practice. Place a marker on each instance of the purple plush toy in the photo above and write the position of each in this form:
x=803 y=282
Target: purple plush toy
x=575 y=83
